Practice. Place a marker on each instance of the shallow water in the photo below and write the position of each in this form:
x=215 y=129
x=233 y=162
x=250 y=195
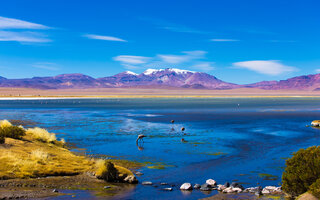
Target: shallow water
x=228 y=139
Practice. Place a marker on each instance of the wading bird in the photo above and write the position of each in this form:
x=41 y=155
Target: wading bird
x=140 y=138
x=172 y=122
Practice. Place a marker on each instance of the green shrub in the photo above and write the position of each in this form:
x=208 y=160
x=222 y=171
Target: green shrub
x=15 y=132
x=2 y=140
x=315 y=188
x=301 y=171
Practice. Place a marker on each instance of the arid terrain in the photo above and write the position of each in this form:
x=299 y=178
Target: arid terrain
x=145 y=92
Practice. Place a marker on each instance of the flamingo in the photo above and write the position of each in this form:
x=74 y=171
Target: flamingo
x=172 y=122
x=140 y=138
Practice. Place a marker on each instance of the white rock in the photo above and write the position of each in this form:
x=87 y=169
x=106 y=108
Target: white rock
x=211 y=182
x=265 y=191
x=228 y=190
x=221 y=187
x=238 y=190
x=270 y=188
x=186 y=186
x=251 y=189
x=146 y=183
x=278 y=189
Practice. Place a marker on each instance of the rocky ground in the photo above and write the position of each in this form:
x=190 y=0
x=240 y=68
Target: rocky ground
x=236 y=190
x=51 y=186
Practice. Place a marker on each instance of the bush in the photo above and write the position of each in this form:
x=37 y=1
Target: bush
x=41 y=134
x=315 y=188
x=15 y=132
x=106 y=171
x=2 y=140
x=302 y=170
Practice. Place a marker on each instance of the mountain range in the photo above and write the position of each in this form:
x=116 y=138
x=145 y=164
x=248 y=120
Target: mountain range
x=157 y=78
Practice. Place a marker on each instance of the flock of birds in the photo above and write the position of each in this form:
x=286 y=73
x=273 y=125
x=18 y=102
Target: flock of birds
x=141 y=136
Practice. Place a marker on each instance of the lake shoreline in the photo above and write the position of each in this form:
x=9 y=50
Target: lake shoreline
x=150 y=93
x=36 y=164
x=273 y=128
x=143 y=97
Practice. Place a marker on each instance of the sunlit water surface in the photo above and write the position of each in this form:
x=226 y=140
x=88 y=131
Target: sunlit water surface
x=227 y=139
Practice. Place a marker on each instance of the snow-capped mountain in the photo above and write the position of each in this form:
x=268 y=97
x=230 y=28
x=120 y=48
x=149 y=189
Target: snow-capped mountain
x=169 y=77
x=157 y=78
x=177 y=71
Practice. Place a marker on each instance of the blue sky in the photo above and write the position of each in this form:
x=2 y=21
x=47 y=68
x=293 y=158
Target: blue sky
x=237 y=41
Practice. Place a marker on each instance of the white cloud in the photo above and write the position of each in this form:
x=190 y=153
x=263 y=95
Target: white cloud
x=23 y=37
x=317 y=70
x=128 y=59
x=10 y=23
x=224 y=40
x=46 y=66
x=187 y=59
x=188 y=56
x=102 y=37
x=173 y=59
x=269 y=67
x=203 y=66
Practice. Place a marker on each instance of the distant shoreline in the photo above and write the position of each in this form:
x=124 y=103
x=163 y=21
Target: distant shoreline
x=147 y=96
x=95 y=93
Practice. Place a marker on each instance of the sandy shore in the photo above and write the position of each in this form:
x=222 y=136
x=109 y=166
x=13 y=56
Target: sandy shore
x=28 y=93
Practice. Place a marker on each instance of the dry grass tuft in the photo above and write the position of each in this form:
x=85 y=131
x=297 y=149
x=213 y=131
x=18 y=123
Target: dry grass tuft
x=63 y=142
x=39 y=155
x=109 y=171
x=5 y=123
x=100 y=165
x=41 y=134
x=106 y=171
x=33 y=158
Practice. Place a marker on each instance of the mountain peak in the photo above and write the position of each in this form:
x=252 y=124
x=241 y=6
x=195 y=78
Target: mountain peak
x=71 y=75
x=131 y=73
x=178 y=71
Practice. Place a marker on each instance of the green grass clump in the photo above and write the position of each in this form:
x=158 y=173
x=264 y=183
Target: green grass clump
x=302 y=170
x=10 y=131
x=159 y=165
